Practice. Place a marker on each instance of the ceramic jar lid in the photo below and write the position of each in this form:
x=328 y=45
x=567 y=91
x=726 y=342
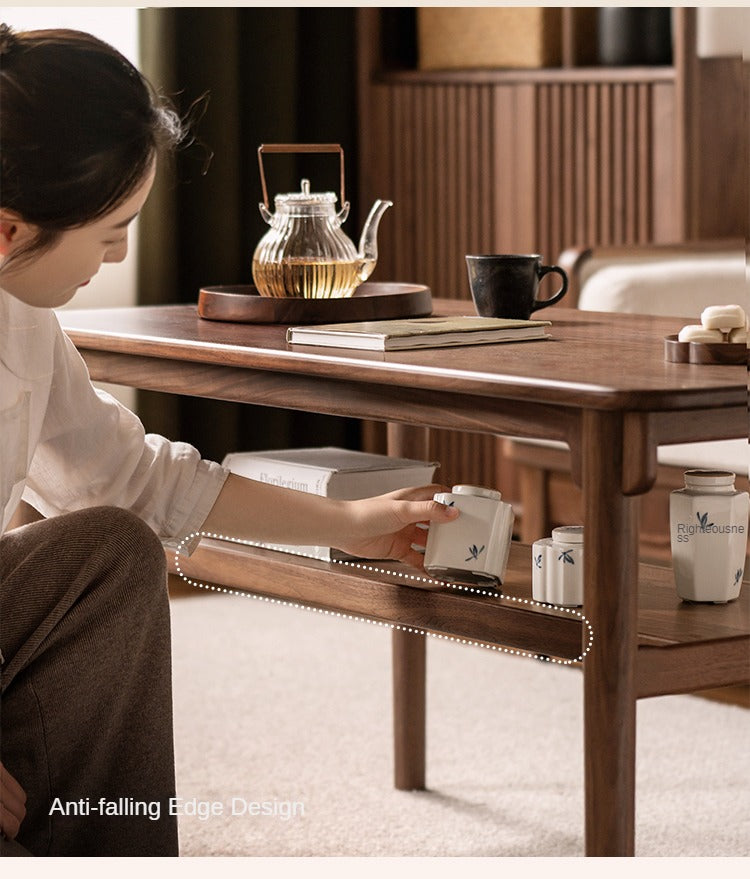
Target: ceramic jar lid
x=568 y=534
x=708 y=478
x=476 y=491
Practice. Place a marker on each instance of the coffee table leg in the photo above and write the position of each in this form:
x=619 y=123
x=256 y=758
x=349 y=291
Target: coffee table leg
x=409 y=659
x=409 y=654
x=611 y=605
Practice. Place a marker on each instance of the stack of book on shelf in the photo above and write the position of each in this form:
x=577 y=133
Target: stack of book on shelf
x=330 y=472
x=426 y=332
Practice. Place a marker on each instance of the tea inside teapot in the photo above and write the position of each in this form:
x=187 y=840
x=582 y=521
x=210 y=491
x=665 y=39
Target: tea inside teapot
x=310 y=277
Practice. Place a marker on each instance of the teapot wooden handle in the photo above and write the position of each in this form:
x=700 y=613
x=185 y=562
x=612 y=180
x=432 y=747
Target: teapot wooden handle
x=298 y=148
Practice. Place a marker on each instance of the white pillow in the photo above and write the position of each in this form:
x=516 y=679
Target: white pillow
x=673 y=287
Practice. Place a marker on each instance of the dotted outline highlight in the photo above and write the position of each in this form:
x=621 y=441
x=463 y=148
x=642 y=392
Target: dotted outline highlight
x=365 y=566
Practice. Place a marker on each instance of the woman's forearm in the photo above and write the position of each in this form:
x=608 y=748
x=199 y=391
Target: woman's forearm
x=388 y=526
x=252 y=510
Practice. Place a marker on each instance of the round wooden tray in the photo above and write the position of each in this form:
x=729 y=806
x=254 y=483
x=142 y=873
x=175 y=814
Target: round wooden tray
x=714 y=353
x=370 y=301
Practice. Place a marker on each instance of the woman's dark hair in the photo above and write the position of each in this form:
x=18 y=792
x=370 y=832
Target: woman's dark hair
x=79 y=129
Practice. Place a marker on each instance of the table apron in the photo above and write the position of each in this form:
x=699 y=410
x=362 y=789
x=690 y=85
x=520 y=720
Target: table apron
x=335 y=396
x=643 y=432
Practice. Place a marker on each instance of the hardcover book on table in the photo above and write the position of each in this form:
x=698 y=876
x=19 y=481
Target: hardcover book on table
x=425 y=332
x=332 y=472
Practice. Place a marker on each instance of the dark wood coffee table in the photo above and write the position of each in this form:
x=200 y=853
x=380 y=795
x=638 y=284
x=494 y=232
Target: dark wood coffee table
x=601 y=385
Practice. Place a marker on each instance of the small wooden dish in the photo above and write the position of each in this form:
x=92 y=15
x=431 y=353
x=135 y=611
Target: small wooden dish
x=370 y=301
x=676 y=351
x=712 y=353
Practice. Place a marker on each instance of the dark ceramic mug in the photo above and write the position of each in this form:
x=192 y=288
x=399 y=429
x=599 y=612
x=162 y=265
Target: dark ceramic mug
x=506 y=285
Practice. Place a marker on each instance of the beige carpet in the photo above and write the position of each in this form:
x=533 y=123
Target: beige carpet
x=281 y=706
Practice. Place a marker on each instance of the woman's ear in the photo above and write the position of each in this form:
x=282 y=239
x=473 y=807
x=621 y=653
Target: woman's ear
x=15 y=232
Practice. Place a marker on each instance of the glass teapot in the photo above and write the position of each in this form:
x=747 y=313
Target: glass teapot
x=305 y=254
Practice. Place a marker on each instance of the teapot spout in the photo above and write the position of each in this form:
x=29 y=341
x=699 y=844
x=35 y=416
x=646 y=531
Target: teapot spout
x=368 y=243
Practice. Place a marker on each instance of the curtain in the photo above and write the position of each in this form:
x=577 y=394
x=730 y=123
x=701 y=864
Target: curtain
x=247 y=76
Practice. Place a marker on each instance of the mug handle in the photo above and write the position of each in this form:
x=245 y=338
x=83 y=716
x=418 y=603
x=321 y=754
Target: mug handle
x=541 y=272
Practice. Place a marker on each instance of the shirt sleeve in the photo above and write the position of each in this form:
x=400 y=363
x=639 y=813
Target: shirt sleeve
x=94 y=451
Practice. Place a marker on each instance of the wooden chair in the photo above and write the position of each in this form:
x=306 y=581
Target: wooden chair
x=679 y=279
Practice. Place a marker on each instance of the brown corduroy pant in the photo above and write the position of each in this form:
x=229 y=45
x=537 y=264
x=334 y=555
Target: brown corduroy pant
x=86 y=705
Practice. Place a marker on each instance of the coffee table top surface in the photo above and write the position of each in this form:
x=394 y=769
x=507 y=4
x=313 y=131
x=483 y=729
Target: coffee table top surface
x=593 y=360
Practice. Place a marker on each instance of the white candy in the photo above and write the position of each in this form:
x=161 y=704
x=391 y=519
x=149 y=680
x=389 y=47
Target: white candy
x=738 y=334
x=697 y=333
x=723 y=317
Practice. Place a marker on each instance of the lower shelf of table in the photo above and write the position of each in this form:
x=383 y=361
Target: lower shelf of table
x=681 y=647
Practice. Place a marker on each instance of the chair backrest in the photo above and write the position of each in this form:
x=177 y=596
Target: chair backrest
x=678 y=280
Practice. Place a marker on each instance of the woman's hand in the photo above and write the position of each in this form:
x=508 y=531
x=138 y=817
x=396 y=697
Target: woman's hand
x=385 y=527
x=12 y=804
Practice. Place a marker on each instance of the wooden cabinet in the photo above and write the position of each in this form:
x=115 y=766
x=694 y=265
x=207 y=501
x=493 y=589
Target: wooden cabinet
x=518 y=160
x=541 y=160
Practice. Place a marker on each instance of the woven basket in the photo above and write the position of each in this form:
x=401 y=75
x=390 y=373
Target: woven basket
x=520 y=36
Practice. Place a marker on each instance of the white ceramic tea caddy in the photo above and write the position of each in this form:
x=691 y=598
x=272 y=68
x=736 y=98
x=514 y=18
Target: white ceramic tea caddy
x=557 y=567
x=474 y=547
x=708 y=529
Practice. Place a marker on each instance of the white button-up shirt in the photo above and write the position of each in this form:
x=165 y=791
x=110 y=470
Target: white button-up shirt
x=65 y=445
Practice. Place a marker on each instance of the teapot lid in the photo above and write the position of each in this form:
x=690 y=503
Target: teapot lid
x=305 y=197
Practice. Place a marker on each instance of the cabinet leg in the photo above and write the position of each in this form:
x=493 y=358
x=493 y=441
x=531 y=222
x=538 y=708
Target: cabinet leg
x=406 y=441
x=610 y=604
x=409 y=710
x=535 y=518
